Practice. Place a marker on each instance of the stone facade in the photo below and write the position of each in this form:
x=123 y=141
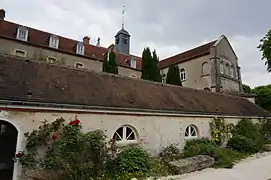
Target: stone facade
x=216 y=70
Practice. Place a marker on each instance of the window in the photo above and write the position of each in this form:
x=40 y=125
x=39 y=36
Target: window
x=191 y=132
x=54 y=42
x=227 y=69
x=164 y=78
x=231 y=71
x=125 y=134
x=182 y=74
x=79 y=65
x=221 y=68
x=51 y=60
x=207 y=89
x=205 y=69
x=133 y=63
x=117 y=40
x=22 y=33
x=80 y=48
x=125 y=39
x=132 y=75
x=19 y=53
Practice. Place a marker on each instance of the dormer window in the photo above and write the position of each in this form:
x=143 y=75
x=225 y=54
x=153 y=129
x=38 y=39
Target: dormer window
x=54 y=42
x=22 y=33
x=80 y=48
x=117 y=40
x=133 y=63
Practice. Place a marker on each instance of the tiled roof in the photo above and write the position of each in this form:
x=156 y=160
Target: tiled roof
x=60 y=85
x=187 y=55
x=66 y=45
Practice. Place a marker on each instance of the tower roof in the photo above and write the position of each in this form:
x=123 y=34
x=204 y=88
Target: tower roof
x=122 y=31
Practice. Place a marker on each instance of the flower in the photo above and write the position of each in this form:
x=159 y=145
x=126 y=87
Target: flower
x=75 y=122
x=54 y=136
x=19 y=154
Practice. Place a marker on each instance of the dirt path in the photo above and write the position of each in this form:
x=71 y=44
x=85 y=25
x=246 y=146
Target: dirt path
x=257 y=167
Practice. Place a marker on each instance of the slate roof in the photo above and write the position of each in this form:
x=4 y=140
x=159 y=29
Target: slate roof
x=60 y=85
x=66 y=45
x=187 y=55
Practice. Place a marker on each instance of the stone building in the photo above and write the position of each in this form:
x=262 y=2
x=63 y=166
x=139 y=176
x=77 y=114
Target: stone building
x=212 y=66
x=149 y=114
x=33 y=44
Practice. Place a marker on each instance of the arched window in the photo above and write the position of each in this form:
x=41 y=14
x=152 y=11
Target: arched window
x=182 y=74
x=205 y=69
x=231 y=71
x=221 y=68
x=191 y=132
x=227 y=69
x=125 y=134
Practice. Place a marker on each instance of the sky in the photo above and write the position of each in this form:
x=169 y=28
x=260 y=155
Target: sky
x=170 y=27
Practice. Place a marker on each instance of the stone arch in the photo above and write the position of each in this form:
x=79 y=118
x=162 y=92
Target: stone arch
x=16 y=171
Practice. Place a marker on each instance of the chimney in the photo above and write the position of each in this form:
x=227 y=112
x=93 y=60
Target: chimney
x=86 y=40
x=2 y=14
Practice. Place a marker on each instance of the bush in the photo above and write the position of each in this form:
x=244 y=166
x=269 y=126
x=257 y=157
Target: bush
x=170 y=153
x=223 y=157
x=132 y=161
x=265 y=130
x=250 y=134
x=243 y=144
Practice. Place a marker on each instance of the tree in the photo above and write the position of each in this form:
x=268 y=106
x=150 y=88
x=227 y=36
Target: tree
x=149 y=67
x=109 y=63
x=246 y=88
x=265 y=48
x=263 y=98
x=173 y=76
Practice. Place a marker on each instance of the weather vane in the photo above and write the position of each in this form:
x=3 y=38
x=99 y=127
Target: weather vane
x=123 y=11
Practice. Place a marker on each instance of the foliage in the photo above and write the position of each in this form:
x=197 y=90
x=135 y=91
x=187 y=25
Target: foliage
x=265 y=49
x=263 y=98
x=66 y=150
x=149 y=67
x=224 y=157
x=220 y=131
x=265 y=130
x=170 y=153
x=246 y=137
x=246 y=88
x=109 y=63
x=130 y=161
x=242 y=144
x=173 y=76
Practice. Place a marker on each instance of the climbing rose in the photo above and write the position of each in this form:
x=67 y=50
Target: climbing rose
x=75 y=122
x=54 y=136
x=19 y=154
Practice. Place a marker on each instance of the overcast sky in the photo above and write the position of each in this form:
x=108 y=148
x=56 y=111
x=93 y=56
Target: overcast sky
x=169 y=26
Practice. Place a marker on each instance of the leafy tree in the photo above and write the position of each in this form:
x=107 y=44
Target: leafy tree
x=173 y=76
x=149 y=67
x=263 y=98
x=246 y=88
x=109 y=64
x=265 y=48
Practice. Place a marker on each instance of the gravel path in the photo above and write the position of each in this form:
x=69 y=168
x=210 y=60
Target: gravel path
x=257 y=167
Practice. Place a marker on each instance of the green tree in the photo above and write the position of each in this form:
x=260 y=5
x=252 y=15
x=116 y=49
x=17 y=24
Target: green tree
x=109 y=63
x=149 y=67
x=246 y=88
x=173 y=76
x=265 y=48
x=263 y=98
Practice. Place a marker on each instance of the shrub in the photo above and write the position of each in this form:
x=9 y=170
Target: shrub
x=223 y=157
x=249 y=133
x=170 y=153
x=265 y=130
x=132 y=161
x=243 y=144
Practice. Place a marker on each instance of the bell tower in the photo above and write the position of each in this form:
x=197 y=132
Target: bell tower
x=122 y=38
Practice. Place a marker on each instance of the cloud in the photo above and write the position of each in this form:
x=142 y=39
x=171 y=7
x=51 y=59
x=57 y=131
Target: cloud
x=170 y=26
